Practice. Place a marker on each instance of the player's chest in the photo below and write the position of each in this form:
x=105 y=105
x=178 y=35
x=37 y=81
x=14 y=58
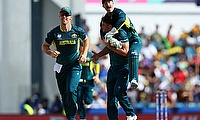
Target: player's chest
x=63 y=39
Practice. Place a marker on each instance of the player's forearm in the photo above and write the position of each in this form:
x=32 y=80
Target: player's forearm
x=122 y=51
x=86 y=46
x=96 y=79
x=103 y=52
x=46 y=49
x=96 y=75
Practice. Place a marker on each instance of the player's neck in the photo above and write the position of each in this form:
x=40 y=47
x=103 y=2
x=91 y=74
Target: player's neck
x=66 y=27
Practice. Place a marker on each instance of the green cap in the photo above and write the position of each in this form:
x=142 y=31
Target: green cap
x=66 y=9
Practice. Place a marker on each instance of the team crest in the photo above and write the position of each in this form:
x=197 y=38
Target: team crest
x=59 y=36
x=74 y=35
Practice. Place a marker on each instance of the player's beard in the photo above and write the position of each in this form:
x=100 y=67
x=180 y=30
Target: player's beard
x=63 y=23
x=108 y=9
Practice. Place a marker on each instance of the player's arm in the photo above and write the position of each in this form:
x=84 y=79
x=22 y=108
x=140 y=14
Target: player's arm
x=46 y=49
x=121 y=20
x=85 y=49
x=121 y=51
x=81 y=47
x=96 y=72
x=96 y=56
x=86 y=43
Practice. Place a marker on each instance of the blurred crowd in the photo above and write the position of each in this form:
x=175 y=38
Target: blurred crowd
x=167 y=62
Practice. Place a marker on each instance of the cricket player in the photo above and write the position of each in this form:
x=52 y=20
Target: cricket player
x=121 y=20
x=117 y=78
x=89 y=77
x=66 y=39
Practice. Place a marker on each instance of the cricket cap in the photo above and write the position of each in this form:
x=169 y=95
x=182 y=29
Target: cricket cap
x=66 y=9
x=105 y=1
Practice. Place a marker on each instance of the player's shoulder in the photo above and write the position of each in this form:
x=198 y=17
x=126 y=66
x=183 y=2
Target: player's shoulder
x=77 y=28
x=55 y=29
x=121 y=35
x=118 y=10
x=122 y=32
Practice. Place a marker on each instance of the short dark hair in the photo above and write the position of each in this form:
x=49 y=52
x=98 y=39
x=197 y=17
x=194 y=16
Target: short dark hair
x=107 y=19
x=105 y=1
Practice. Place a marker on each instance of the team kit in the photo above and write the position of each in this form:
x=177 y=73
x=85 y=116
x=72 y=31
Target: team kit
x=77 y=68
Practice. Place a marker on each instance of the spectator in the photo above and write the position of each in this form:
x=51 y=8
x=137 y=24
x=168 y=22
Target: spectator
x=144 y=37
x=196 y=93
x=170 y=38
x=26 y=107
x=45 y=104
x=40 y=110
x=97 y=102
x=57 y=106
x=179 y=78
x=156 y=39
x=103 y=73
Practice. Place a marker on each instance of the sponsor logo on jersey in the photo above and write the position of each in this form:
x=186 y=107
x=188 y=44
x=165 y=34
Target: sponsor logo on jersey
x=74 y=36
x=67 y=42
x=59 y=37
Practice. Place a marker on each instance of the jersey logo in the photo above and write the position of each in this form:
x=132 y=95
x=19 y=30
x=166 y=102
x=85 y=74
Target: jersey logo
x=59 y=37
x=67 y=42
x=74 y=36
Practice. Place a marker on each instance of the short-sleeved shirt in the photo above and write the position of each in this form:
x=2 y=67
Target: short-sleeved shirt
x=67 y=43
